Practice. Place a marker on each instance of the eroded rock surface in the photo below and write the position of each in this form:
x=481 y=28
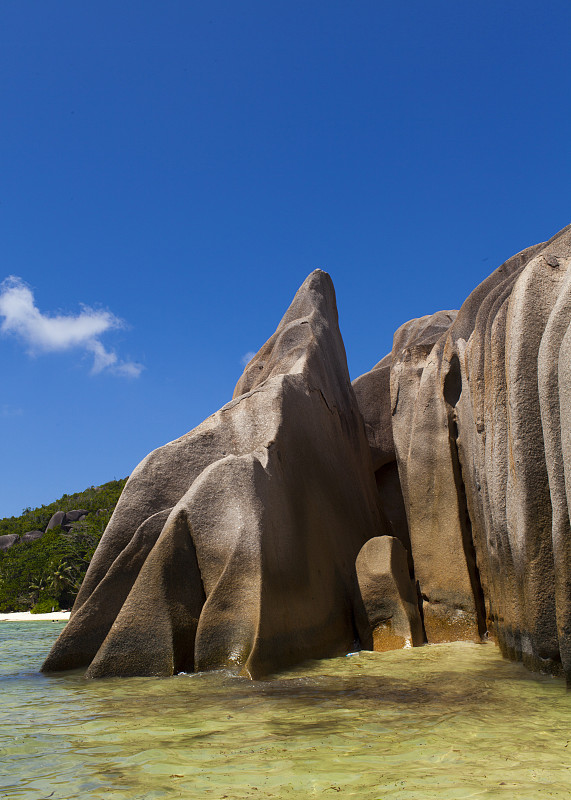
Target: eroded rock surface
x=481 y=414
x=389 y=594
x=235 y=545
x=432 y=499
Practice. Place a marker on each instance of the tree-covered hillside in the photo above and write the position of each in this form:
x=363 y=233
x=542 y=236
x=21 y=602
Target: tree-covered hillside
x=48 y=572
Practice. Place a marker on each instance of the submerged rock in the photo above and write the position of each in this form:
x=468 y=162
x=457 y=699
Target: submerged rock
x=389 y=595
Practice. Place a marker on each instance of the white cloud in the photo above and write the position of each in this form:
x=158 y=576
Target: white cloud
x=129 y=369
x=247 y=357
x=42 y=333
x=6 y=410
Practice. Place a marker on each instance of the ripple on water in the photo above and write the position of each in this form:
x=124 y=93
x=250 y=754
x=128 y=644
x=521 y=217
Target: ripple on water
x=449 y=721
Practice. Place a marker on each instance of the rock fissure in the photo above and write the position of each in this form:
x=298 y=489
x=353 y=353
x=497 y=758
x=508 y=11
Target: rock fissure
x=466 y=527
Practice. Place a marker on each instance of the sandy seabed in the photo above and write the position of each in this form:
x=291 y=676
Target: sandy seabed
x=24 y=616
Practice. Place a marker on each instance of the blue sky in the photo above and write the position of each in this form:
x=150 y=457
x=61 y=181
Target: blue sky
x=172 y=171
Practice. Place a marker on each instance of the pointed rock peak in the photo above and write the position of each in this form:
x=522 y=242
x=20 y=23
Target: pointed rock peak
x=235 y=545
x=309 y=328
x=316 y=294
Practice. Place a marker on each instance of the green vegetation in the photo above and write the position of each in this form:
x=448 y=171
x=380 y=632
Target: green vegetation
x=46 y=605
x=48 y=572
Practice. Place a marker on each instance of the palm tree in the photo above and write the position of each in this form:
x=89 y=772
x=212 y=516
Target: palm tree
x=63 y=577
x=36 y=588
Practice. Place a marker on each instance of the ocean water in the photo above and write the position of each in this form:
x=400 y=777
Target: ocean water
x=446 y=721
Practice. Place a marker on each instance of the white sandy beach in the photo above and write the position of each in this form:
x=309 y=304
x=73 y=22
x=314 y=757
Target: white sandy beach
x=24 y=616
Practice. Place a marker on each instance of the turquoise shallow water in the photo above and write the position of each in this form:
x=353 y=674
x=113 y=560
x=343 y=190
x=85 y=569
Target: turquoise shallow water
x=448 y=721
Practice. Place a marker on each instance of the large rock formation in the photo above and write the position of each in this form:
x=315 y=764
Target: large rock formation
x=429 y=502
x=480 y=424
x=235 y=546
